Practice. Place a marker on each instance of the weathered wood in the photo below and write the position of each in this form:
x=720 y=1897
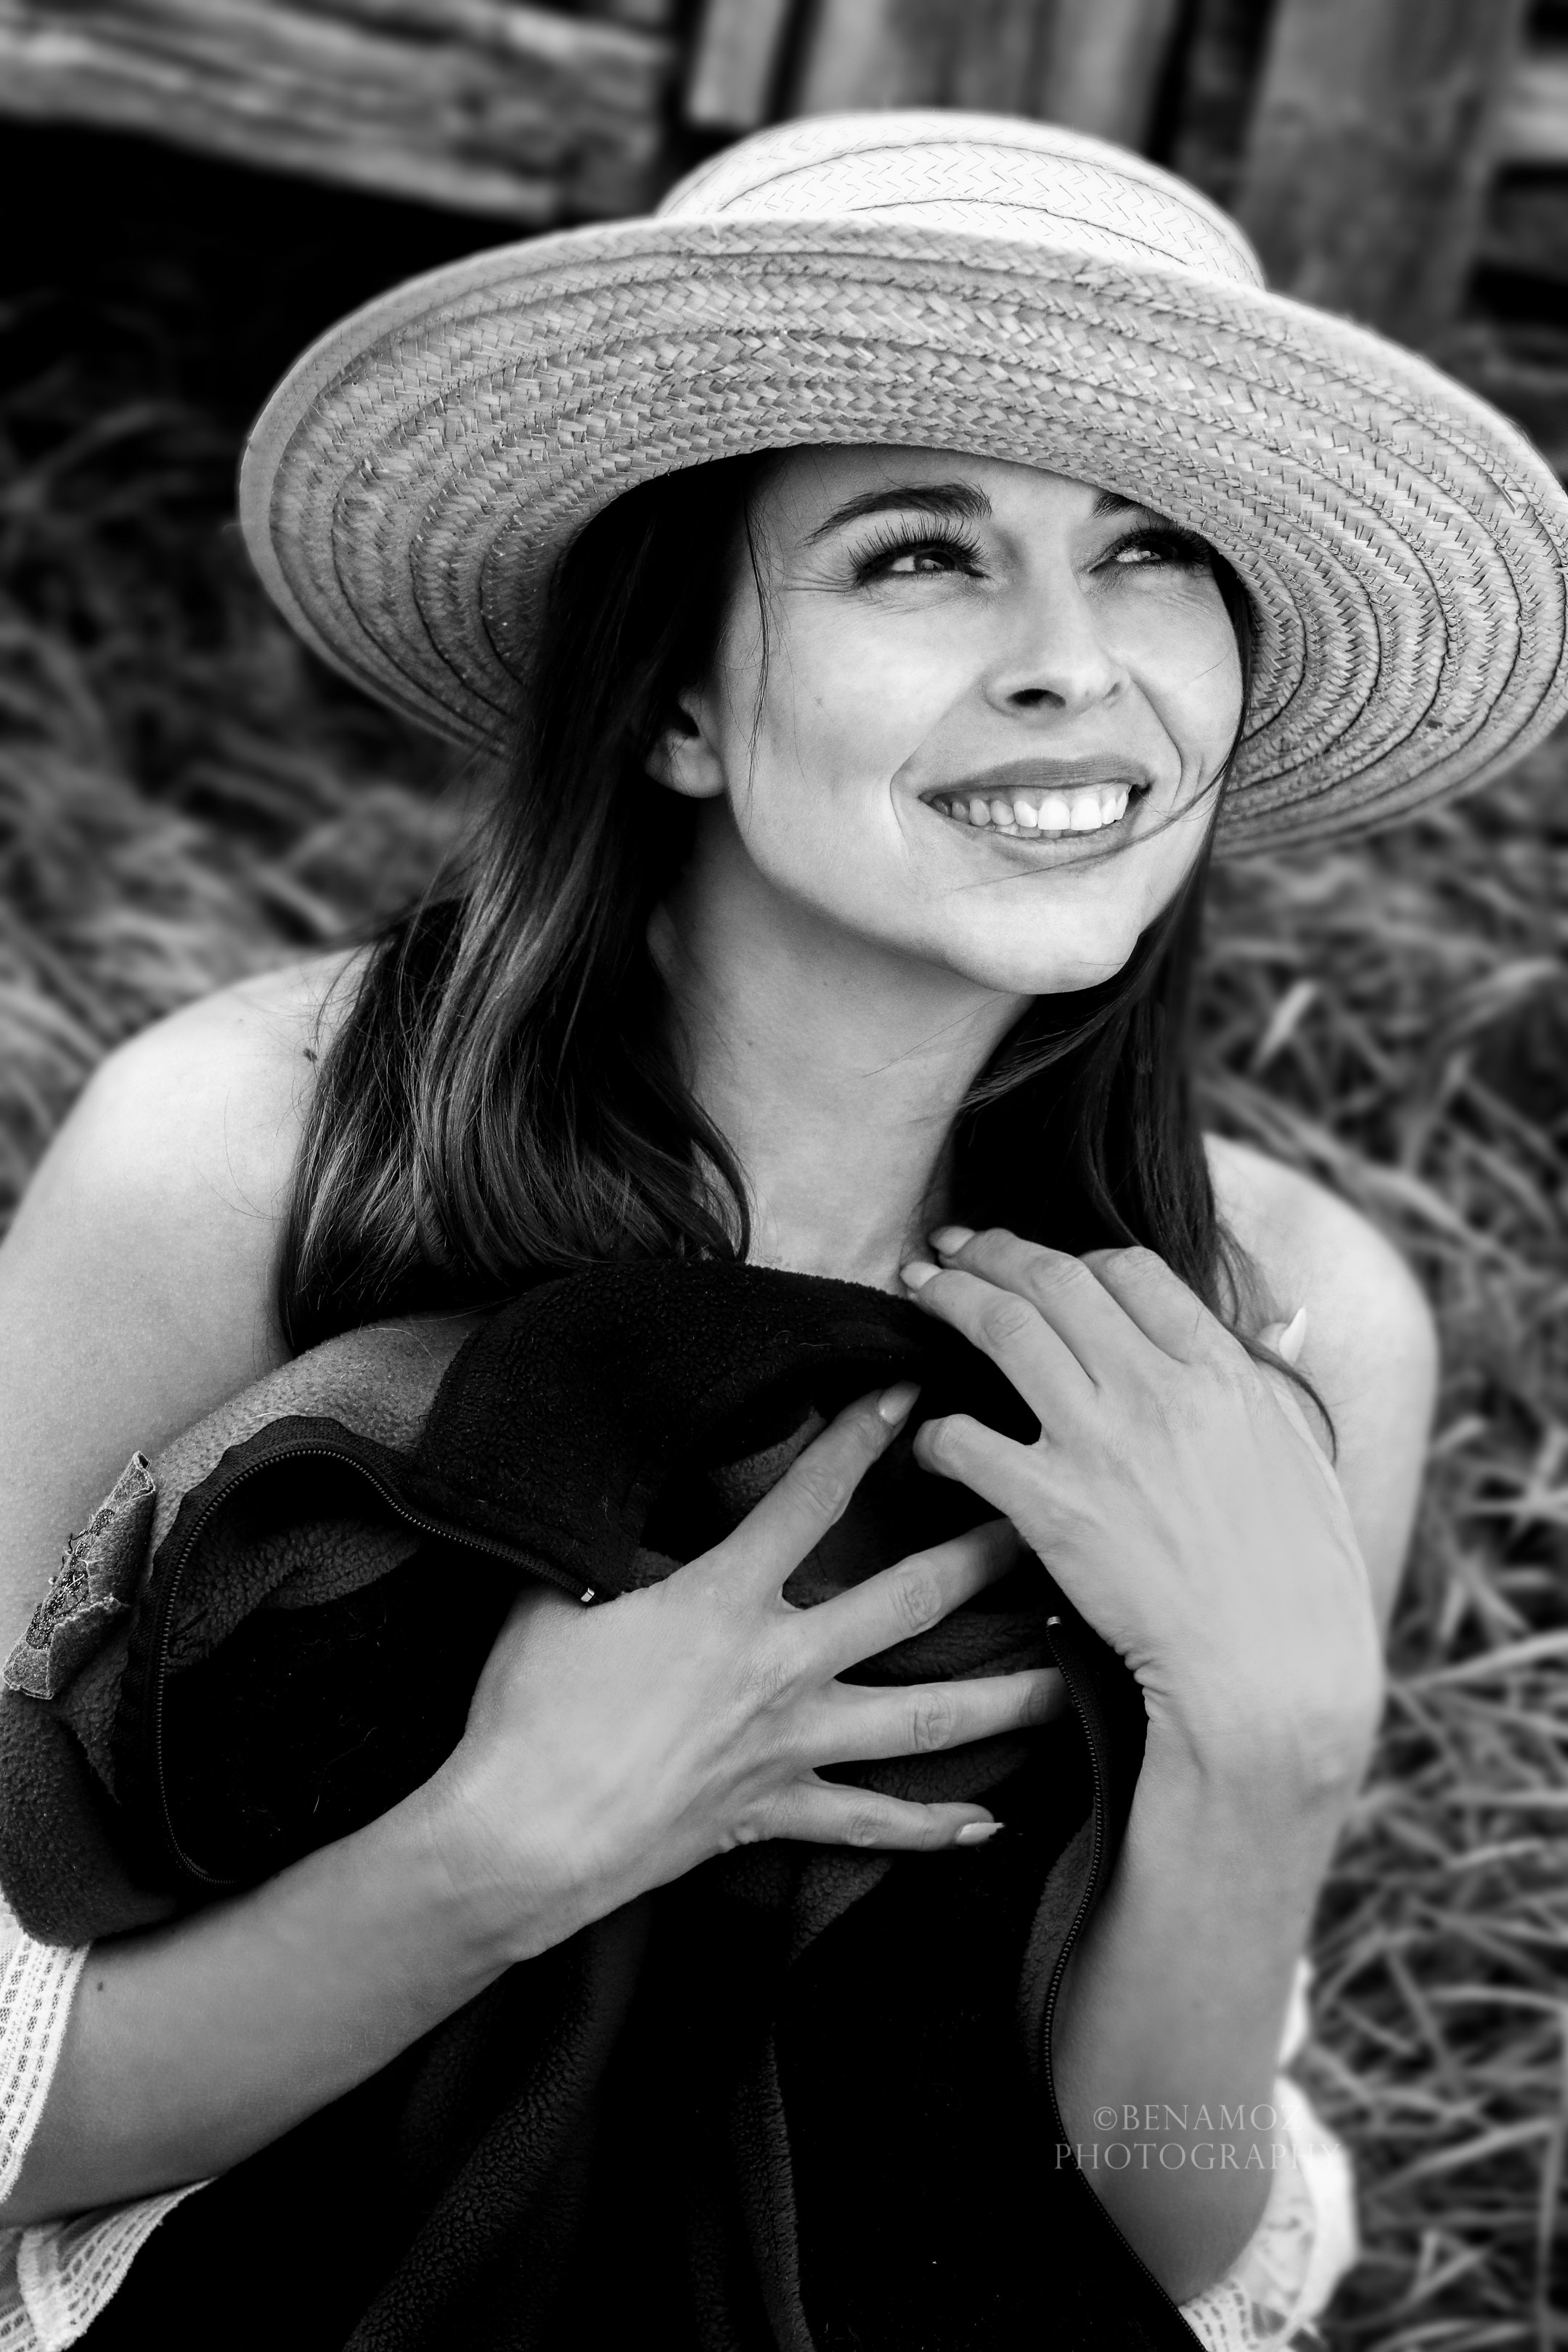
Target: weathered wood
x=1102 y=63
x=998 y=59
x=1532 y=121
x=1526 y=231
x=545 y=117
x=736 y=61
x=1224 y=46
x=1371 y=142
x=972 y=53
x=872 y=53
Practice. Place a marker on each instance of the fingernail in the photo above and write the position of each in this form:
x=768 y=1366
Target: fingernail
x=1291 y=1338
x=976 y=1833
x=918 y=1273
x=948 y=1238
x=896 y=1404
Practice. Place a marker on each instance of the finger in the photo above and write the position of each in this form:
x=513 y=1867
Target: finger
x=792 y=1518
x=827 y=1814
x=901 y=1601
x=860 y=1726
x=1009 y=1329
x=998 y=1469
x=1160 y=1305
x=1063 y=1290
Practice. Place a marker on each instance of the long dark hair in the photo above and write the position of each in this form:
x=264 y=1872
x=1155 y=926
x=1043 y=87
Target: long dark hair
x=502 y=1100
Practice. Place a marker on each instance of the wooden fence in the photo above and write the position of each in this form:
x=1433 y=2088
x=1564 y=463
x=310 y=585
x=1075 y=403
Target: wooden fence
x=1356 y=139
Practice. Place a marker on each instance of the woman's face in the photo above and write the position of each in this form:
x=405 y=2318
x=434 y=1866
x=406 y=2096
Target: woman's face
x=979 y=726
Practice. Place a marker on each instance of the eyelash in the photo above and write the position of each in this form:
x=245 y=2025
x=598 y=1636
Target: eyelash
x=1180 y=548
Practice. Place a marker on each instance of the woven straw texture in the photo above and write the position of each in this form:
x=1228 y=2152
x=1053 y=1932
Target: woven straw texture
x=944 y=281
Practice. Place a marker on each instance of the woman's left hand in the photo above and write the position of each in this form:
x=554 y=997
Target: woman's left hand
x=1175 y=1494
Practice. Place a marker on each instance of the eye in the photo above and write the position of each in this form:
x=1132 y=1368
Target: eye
x=1160 y=546
x=904 y=554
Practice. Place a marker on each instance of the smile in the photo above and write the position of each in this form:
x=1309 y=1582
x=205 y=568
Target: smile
x=1032 y=811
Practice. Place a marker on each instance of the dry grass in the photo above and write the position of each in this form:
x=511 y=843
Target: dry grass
x=1394 y=1018
x=183 y=797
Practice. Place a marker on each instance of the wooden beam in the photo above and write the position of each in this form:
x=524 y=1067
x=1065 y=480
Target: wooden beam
x=1224 y=45
x=972 y=53
x=1372 y=142
x=1102 y=63
x=1532 y=126
x=736 y=62
x=872 y=53
x=556 y=118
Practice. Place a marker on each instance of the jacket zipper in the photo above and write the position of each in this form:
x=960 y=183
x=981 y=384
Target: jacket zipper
x=1093 y=1730
x=302 y=1449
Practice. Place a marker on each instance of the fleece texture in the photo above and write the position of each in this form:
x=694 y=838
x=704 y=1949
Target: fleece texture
x=801 y=2098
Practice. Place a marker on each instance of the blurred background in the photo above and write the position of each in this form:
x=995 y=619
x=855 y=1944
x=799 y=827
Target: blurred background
x=193 y=188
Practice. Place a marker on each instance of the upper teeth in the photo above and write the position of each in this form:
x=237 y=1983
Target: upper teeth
x=1084 y=810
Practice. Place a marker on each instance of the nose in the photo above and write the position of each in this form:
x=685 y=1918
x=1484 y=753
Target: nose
x=1055 y=656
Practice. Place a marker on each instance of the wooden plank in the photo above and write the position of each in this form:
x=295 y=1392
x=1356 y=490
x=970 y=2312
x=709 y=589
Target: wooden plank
x=997 y=61
x=1371 y=142
x=1526 y=231
x=1532 y=124
x=565 y=120
x=872 y=53
x=972 y=53
x=56 y=78
x=736 y=62
x=1224 y=48
x=1103 y=65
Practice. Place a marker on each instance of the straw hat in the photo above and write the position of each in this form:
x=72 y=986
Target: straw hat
x=950 y=281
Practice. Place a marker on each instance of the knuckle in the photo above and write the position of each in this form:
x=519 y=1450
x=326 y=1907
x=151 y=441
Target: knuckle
x=917 y=1598
x=1006 y=1320
x=1053 y=1273
x=933 y=1720
x=864 y=1826
x=821 y=1485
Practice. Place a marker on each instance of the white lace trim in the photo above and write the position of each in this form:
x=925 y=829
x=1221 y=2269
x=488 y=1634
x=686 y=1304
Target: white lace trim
x=55 y=2277
x=1306 y=2242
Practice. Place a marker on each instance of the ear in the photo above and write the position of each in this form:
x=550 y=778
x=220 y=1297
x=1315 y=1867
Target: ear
x=685 y=758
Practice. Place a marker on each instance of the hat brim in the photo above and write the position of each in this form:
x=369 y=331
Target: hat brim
x=409 y=487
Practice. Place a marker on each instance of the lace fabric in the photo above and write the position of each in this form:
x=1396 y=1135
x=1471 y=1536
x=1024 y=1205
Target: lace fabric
x=55 y=2277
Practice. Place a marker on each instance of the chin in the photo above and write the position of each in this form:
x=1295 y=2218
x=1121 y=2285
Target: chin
x=1020 y=973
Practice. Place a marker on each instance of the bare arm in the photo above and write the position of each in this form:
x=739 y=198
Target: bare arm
x=1173 y=2007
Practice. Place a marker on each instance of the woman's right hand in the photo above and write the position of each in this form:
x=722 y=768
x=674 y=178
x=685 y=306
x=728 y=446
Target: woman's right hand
x=612 y=1748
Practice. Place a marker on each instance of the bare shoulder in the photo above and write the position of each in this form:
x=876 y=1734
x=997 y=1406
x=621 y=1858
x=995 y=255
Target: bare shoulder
x=136 y=1282
x=1371 y=1346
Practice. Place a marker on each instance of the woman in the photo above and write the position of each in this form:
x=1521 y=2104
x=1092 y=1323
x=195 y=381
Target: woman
x=912 y=589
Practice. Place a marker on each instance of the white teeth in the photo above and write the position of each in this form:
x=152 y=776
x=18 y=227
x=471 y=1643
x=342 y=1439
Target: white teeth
x=1084 y=811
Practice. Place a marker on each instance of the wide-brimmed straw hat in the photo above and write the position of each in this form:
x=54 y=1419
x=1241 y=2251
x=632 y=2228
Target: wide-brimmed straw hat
x=950 y=281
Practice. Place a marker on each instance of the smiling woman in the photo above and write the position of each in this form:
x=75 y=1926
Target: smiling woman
x=760 y=1383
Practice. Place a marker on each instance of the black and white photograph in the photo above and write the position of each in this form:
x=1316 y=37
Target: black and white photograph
x=783 y=1152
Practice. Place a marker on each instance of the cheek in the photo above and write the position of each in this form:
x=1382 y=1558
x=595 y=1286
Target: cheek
x=843 y=706
x=1186 y=660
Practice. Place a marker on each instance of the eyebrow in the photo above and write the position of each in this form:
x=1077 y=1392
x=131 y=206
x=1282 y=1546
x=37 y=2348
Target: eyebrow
x=956 y=501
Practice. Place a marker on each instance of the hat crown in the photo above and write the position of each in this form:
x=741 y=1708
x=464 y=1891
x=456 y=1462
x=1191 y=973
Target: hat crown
x=997 y=175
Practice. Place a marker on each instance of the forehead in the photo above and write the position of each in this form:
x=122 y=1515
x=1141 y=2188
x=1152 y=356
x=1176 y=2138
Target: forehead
x=803 y=488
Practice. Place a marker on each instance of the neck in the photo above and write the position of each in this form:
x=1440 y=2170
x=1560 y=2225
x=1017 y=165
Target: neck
x=833 y=1067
